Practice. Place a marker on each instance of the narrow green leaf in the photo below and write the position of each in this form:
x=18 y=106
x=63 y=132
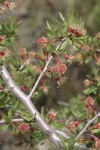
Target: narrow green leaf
x=61 y=16
x=77 y=113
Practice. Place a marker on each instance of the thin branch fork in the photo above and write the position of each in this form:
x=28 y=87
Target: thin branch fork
x=87 y=125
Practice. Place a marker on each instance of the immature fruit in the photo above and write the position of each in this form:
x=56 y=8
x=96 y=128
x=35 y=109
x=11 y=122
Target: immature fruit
x=62 y=68
x=24 y=127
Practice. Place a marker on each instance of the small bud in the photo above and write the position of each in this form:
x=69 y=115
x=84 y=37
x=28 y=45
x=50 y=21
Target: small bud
x=51 y=114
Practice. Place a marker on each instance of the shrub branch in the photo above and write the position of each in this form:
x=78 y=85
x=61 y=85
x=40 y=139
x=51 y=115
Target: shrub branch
x=87 y=125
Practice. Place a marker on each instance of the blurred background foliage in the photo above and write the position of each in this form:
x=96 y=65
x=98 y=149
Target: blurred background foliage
x=33 y=15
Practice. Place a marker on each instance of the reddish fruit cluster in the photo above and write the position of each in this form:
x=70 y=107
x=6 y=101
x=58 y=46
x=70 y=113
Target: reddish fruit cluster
x=60 y=68
x=72 y=125
x=89 y=103
x=43 y=41
x=75 y=30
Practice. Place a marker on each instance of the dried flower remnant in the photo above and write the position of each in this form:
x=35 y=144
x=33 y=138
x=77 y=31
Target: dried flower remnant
x=60 y=80
x=51 y=114
x=72 y=126
x=10 y=5
x=70 y=58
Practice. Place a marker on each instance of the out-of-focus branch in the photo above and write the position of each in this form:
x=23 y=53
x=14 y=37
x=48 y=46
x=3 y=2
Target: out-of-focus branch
x=87 y=125
x=13 y=120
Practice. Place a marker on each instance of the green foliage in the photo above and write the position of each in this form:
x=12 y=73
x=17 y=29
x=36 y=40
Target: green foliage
x=78 y=47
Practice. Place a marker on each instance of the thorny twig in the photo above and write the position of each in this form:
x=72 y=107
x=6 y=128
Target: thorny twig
x=26 y=100
x=44 y=70
x=87 y=125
